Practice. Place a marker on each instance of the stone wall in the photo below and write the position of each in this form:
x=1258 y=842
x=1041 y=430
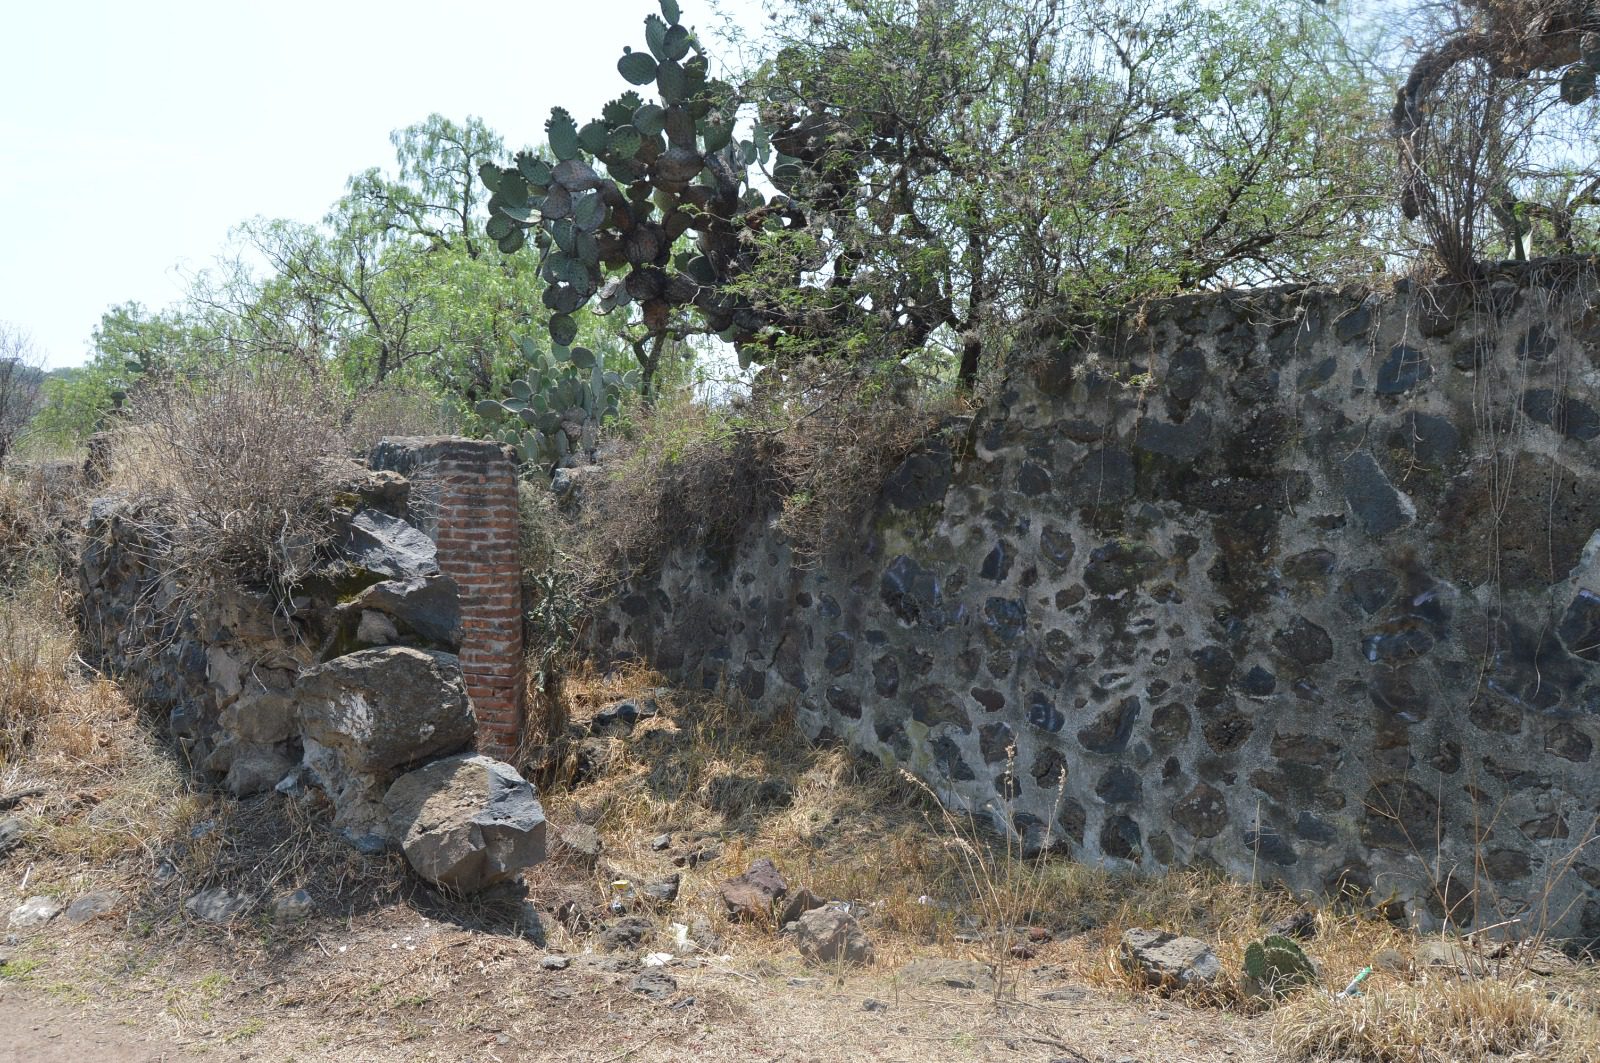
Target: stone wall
x=401 y=648
x=1299 y=584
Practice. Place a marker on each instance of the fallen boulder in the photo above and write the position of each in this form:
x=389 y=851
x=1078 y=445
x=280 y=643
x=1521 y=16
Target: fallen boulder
x=466 y=822
x=827 y=935
x=381 y=708
x=1159 y=958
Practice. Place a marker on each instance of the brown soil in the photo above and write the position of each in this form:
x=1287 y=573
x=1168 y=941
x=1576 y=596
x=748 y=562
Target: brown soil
x=394 y=984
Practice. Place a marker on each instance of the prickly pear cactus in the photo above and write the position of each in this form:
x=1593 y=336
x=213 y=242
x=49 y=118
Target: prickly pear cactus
x=607 y=210
x=555 y=410
x=1276 y=966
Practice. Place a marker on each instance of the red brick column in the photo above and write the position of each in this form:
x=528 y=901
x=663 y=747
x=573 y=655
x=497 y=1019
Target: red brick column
x=470 y=489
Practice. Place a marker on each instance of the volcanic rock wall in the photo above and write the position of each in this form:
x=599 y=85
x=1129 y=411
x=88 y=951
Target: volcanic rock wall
x=1299 y=584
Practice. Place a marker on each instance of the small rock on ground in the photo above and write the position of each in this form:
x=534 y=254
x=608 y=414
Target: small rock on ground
x=292 y=907
x=802 y=902
x=750 y=896
x=35 y=911
x=663 y=891
x=653 y=983
x=1162 y=959
x=555 y=963
x=217 y=905
x=626 y=933
x=827 y=935
x=582 y=843
x=10 y=834
x=92 y=906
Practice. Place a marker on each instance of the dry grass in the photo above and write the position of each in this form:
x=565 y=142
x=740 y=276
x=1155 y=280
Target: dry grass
x=1441 y=1020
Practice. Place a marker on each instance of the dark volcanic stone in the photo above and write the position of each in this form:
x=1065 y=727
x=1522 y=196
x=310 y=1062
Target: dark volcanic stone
x=1566 y=741
x=1056 y=546
x=947 y=755
x=1429 y=439
x=1371 y=588
x=1043 y=714
x=1120 y=785
x=1269 y=845
x=1033 y=479
x=1104 y=479
x=1404 y=369
x=1214 y=663
x=1572 y=417
x=1005 y=618
x=1580 y=626
x=1186 y=374
x=1048 y=764
x=844 y=702
x=1120 y=566
x=1400 y=816
x=1169 y=725
x=1538 y=343
x=1110 y=731
x=1371 y=496
x=1258 y=682
x=991 y=700
x=1314 y=829
x=1120 y=838
x=1304 y=642
x=912 y=593
x=1203 y=811
x=921 y=480
x=1183 y=442
x=997 y=565
x=841 y=649
x=1311 y=565
x=932 y=706
x=994 y=739
x=886 y=676
x=1353 y=325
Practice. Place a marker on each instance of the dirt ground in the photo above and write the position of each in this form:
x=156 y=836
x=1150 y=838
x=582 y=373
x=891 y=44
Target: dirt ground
x=394 y=984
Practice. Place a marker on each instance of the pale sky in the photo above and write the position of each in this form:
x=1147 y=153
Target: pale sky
x=133 y=135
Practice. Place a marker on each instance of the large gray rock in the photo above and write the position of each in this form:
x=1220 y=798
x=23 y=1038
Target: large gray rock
x=426 y=608
x=1163 y=959
x=388 y=546
x=381 y=708
x=827 y=935
x=466 y=822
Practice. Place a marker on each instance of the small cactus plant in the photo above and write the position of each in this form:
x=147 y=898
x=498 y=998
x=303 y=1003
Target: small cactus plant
x=555 y=409
x=1276 y=966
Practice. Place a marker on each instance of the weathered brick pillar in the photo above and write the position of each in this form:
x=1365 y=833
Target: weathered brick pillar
x=464 y=492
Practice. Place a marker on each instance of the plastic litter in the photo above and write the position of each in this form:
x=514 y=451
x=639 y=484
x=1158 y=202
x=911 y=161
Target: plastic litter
x=1354 y=988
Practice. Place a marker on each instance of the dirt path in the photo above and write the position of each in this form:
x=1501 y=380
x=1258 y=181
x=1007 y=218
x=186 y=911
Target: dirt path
x=36 y=1029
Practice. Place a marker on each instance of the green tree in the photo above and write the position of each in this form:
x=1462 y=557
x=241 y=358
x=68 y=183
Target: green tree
x=947 y=172
x=129 y=343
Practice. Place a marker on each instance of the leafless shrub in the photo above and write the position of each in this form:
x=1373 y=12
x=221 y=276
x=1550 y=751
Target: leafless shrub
x=390 y=411
x=233 y=472
x=21 y=378
x=807 y=454
x=1495 y=128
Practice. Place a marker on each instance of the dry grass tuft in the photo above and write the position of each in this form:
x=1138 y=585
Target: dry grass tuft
x=1440 y=1020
